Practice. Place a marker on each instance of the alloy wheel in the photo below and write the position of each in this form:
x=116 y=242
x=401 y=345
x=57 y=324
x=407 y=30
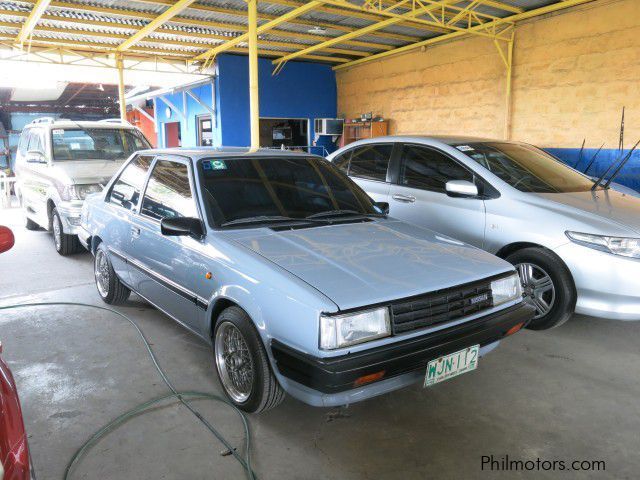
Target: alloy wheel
x=537 y=288
x=102 y=273
x=234 y=362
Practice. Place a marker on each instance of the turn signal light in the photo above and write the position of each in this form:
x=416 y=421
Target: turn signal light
x=514 y=329
x=372 y=377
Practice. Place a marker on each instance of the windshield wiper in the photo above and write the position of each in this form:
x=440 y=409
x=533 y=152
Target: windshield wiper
x=340 y=213
x=261 y=219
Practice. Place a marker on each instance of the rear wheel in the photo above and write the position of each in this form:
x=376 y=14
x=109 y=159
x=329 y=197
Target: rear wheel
x=110 y=288
x=242 y=364
x=547 y=285
x=65 y=244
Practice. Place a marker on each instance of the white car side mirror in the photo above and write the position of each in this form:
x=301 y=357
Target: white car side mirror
x=461 y=188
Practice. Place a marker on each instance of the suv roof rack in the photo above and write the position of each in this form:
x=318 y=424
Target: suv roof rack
x=43 y=120
x=114 y=120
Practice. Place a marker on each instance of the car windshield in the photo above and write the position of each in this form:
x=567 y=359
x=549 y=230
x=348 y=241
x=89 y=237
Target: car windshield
x=526 y=167
x=96 y=143
x=263 y=189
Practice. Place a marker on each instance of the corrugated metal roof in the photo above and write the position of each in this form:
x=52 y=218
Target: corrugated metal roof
x=207 y=23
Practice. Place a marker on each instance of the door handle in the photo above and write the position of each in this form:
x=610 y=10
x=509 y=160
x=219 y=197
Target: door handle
x=404 y=198
x=135 y=232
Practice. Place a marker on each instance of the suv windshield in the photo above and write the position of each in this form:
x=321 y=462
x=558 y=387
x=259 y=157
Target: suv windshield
x=526 y=167
x=278 y=189
x=96 y=143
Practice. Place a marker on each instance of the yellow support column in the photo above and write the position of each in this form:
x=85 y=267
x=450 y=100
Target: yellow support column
x=508 y=95
x=123 y=104
x=254 y=102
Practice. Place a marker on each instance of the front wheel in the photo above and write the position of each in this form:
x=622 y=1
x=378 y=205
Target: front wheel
x=110 y=288
x=65 y=244
x=242 y=364
x=547 y=285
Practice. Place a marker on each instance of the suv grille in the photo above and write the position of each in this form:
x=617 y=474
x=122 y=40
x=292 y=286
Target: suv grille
x=440 y=306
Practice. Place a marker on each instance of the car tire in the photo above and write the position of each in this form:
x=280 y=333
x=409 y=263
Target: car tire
x=31 y=225
x=254 y=389
x=110 y=288
x=65 y=244
x=537 y=268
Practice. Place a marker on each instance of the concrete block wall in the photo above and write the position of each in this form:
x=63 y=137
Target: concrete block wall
x=573 y=72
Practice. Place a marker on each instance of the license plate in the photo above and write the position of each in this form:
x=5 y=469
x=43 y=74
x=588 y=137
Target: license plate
x=452 y=365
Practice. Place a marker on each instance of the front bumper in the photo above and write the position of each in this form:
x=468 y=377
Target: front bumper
x=70 y=217
x=333 y=375
x=608 y=286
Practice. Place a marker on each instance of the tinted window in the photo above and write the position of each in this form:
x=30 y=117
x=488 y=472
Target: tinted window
x=126 y=191
x=35 y=141
x=429 y=169
x=370 y=162
x=238 y=188
x=526 y=167
x=23 y=145
x=169 y=193
x=96 y=143
x=342 y=161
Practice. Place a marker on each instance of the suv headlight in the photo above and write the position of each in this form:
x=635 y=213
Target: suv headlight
x=337 y=331
x=506 y=289
x=79 y=192
x=623 y=246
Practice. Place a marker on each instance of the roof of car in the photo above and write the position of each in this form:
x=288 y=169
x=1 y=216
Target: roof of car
x=227 y=152
x=63 y=123
x=448 y=139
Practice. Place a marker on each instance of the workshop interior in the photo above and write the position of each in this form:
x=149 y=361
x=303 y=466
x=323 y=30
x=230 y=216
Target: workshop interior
x=319 y=240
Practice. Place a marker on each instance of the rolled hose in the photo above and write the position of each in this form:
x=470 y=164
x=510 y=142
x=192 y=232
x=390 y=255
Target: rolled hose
x=146 y=406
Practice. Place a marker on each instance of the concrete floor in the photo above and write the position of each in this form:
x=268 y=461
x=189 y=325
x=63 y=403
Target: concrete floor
x=567 y=394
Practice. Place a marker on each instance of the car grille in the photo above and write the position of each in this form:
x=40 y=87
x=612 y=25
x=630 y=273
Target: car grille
x=441 y=306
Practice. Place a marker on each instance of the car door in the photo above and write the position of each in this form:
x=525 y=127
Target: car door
x=35 y=179
x=368 y=166
x=120 y=205
x=419 y=196
x=167 y=270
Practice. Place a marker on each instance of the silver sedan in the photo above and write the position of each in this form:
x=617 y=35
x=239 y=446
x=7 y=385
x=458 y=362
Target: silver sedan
x=575 y=245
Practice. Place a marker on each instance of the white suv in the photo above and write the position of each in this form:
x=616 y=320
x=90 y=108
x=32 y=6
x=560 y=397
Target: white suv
x=59 y=162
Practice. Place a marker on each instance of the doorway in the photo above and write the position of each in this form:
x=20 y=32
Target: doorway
x=172 y=135
x=287 y=132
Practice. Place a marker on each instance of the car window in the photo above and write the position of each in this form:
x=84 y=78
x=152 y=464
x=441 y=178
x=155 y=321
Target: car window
x=35 y=142
x=24 y=142
x=168 y=193
x=126 y=190
x=342 y=161
x=295 y=187
x=428 y=169
x=96 y=143
x=370 y=162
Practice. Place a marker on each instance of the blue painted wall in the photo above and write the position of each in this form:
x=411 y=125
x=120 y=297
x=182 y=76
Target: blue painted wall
x=300 y=90
x=629 y=176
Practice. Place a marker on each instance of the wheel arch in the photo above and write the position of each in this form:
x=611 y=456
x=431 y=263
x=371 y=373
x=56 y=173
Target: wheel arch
x=219 y=306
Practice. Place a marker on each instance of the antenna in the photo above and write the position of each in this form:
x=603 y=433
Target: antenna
x=622 y=164
x=580 y=156
x=593 y=159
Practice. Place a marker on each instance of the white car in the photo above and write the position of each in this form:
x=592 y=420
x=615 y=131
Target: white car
x=59 y=162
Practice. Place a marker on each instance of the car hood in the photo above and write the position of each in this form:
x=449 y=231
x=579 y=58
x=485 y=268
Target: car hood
x=87 y=171
x=360 y=264
x=609 y=205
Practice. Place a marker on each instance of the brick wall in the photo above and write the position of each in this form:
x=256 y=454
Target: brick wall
x=573 y=72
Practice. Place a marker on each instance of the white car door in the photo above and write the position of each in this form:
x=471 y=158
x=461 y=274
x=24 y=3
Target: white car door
x=419 y=197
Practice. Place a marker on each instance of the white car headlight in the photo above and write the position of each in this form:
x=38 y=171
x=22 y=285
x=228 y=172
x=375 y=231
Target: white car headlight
x=337 y=331
x=626 y=247
x=506 y=289
x=80 y=192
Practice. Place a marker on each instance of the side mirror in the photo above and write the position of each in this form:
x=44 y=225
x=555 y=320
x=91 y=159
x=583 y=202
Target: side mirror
x=383 y=207
x=34 y=156
x=7 y=239
x=461 y=188
x=181 y=226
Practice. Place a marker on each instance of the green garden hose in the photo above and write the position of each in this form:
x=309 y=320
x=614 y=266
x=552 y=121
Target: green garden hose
x=146 y=406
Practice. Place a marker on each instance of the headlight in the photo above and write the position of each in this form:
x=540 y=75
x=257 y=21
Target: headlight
x=79 y=192
x=626 y=247
x=506 y=289
x=339 y=331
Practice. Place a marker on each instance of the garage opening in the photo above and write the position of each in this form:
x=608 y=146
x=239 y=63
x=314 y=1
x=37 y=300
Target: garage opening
x=172 y=136
x=287 y=132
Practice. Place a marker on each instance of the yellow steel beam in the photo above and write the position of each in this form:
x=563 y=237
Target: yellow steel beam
x=395 y=19
x=121 y=12
x=267 y=16
x=442 y=38
x=164 y=17
x=36 y=12
x=254 y=103
x=261 y=29
x=121 y=98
